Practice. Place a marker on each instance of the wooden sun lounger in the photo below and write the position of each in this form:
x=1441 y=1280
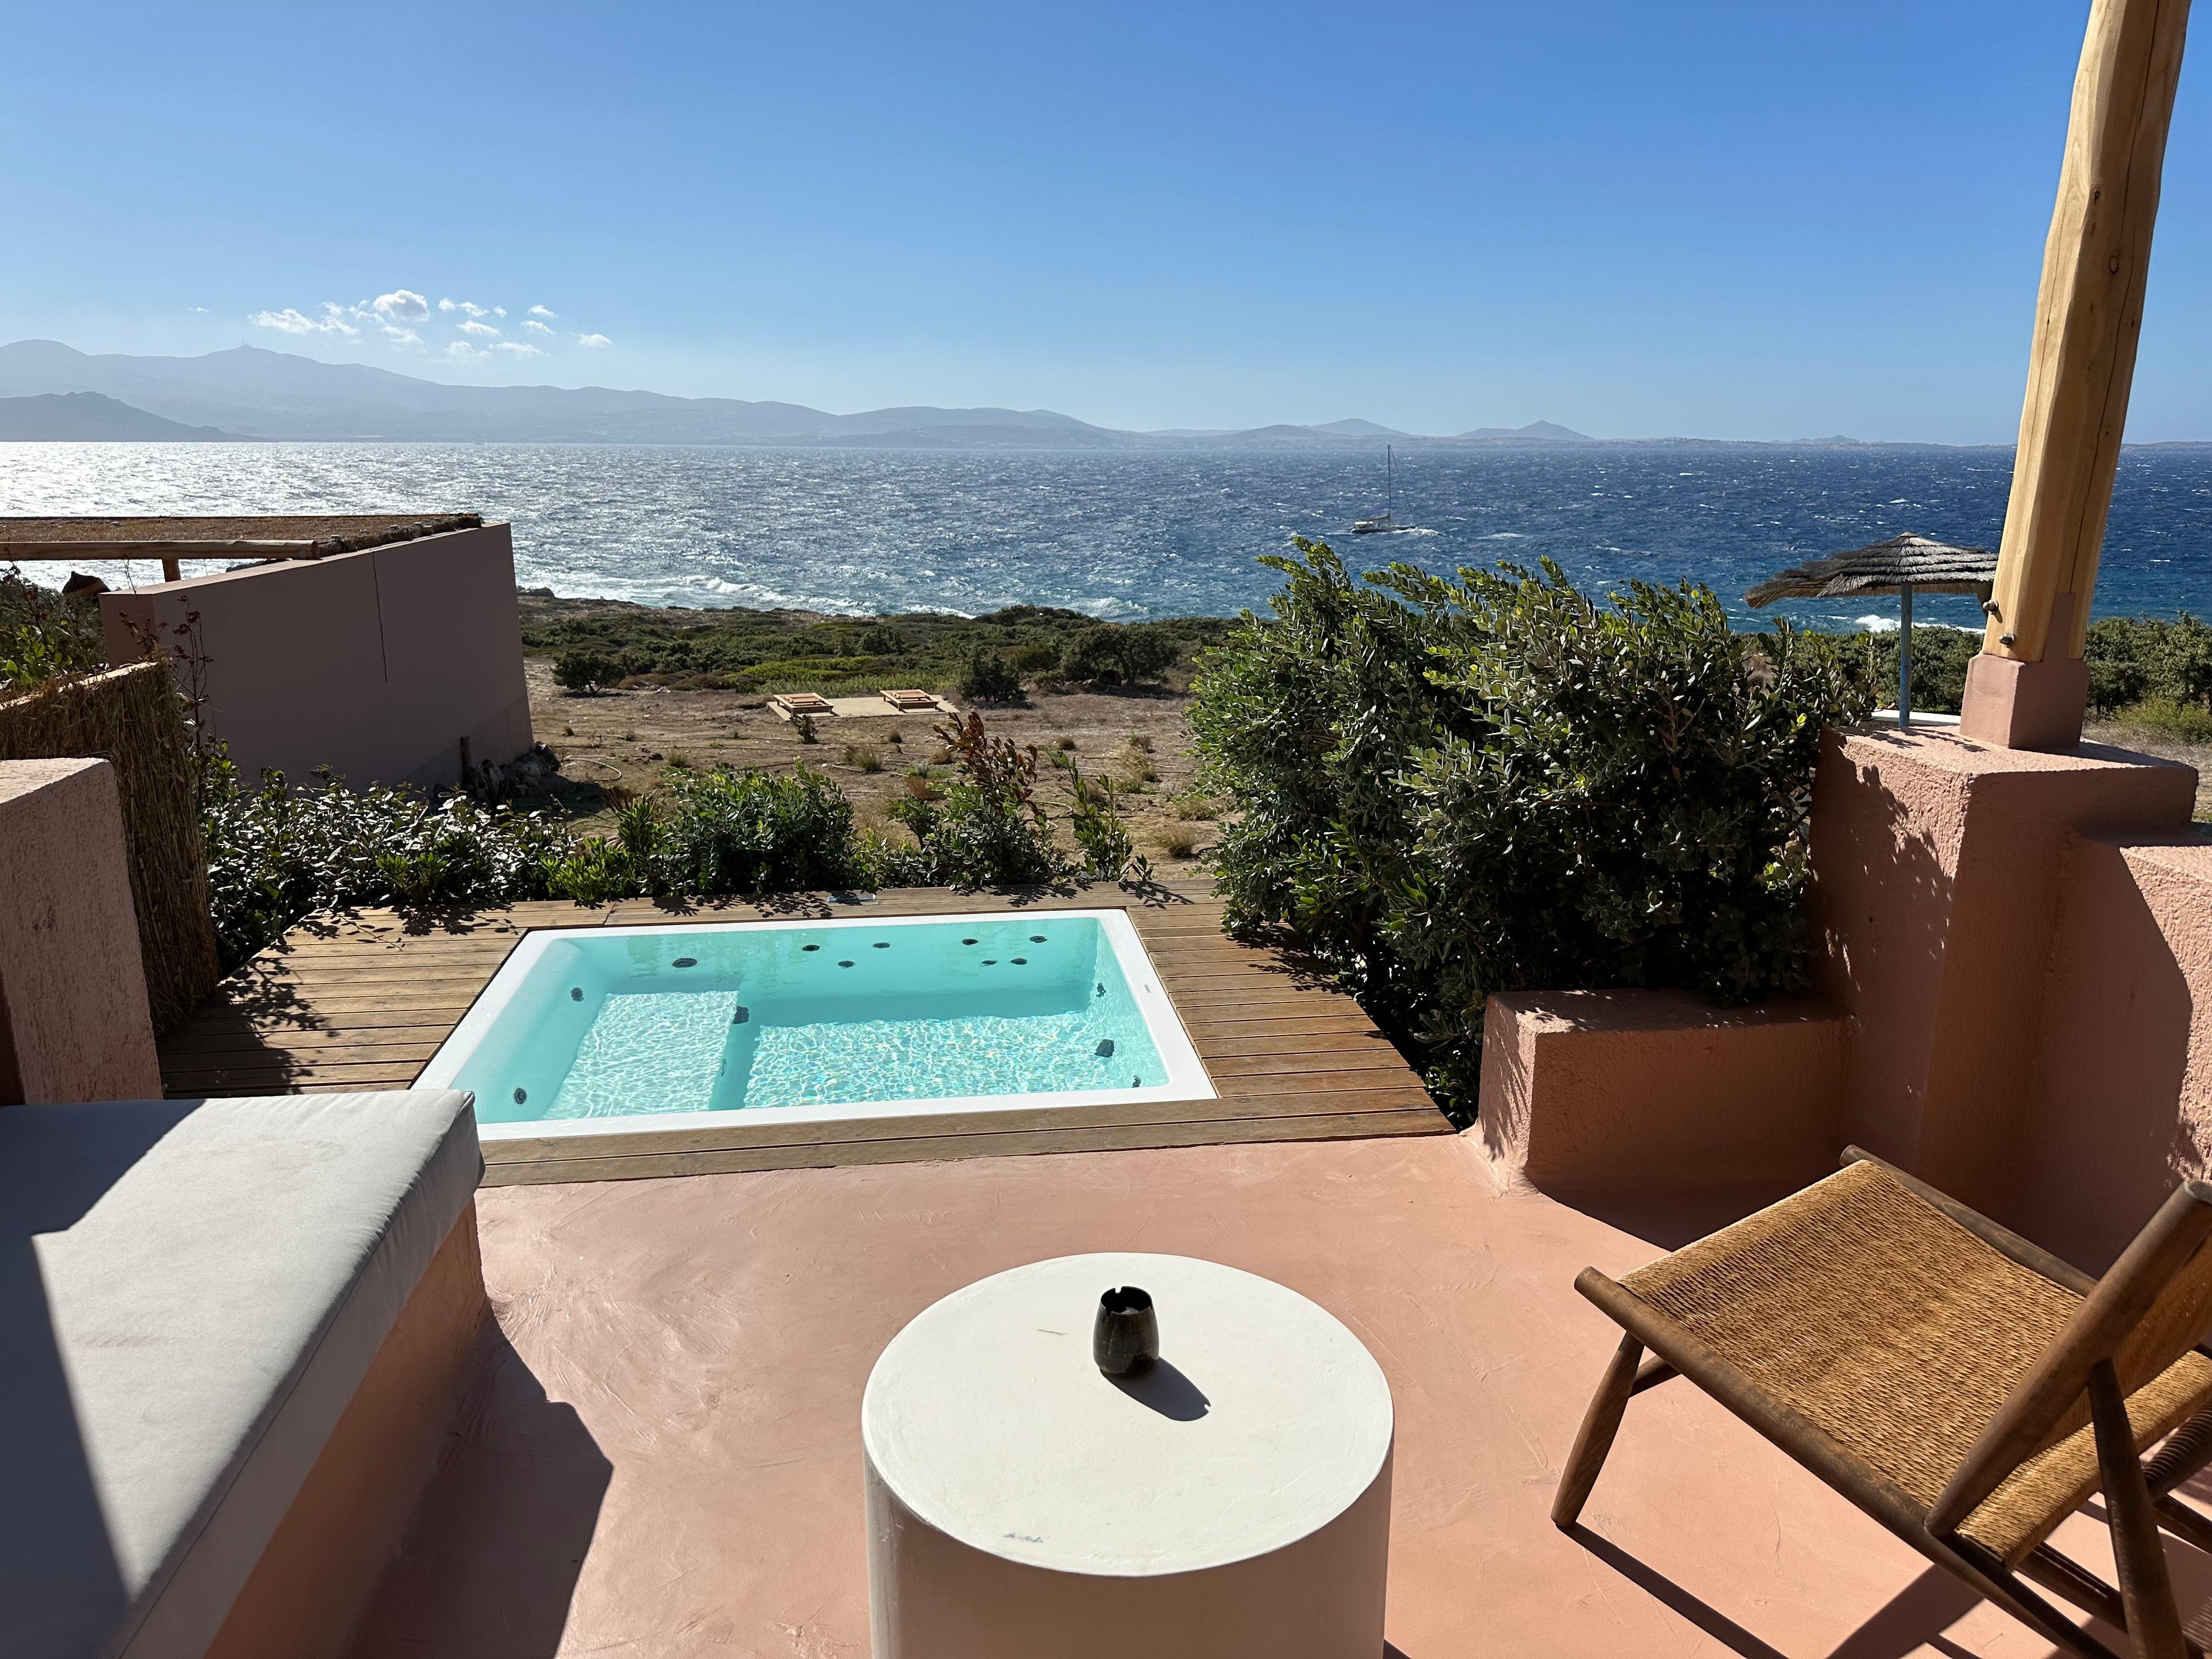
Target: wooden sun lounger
x=1964 y=1387
x=790 y=704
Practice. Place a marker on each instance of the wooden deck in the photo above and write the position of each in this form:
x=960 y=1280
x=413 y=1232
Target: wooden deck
x=364 y=1000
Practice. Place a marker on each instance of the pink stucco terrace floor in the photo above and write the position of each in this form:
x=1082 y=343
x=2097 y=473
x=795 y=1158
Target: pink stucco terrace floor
x=664 y=1455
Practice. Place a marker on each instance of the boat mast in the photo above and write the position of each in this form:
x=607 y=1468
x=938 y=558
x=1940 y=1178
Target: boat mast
x=1389 y=483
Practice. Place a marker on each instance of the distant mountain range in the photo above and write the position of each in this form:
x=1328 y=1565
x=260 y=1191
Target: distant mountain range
x=86 y=416
x=249 y=393
x=52 y=391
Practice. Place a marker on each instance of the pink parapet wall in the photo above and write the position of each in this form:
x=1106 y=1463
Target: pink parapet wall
x=73 y=1023
x=389 y=666
x=2013 y=979
x=1940 y=872
x=1592 y=1092
x=2119 y=1104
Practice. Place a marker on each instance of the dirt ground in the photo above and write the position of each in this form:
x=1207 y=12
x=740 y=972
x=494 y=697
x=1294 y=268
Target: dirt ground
x=625 y=738
x=2166 y=748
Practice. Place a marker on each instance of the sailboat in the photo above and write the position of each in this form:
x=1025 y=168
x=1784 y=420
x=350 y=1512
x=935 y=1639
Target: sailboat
x=1388 y=523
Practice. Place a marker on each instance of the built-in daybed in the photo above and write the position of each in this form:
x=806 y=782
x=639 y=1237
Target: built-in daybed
x=235 y=1333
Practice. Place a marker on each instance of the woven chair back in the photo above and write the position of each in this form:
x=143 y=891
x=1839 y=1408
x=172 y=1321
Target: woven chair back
x=2148 y=1310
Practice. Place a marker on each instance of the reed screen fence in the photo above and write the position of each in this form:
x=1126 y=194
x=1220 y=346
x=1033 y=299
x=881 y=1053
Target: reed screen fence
x=133 y=719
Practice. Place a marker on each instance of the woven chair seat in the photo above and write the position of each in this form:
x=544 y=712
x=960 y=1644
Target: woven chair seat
x=1897 y=1333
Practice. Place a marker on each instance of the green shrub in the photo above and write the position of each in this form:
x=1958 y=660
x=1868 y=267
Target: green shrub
x=716 y=834
x=2185 y=722
x=987 y=677
x=43 y=635
x=914 y=648
x=1112 y=655
x=1939 y=656
x=2180 y=660
x=987 y=828
x=277 y=854
x=2119 y=655
x=803 y=673
x=1451 y=787
x=585 y=671
x=1107 y=851
x=1034 y=662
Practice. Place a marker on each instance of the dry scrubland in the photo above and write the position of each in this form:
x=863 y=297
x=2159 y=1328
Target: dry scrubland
x=2166 y=747
x=624 y=740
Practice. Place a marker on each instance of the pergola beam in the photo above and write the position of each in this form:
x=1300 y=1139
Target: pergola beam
x=2028 y=689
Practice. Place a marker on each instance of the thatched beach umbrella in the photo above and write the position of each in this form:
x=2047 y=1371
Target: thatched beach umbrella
x=1897 y=565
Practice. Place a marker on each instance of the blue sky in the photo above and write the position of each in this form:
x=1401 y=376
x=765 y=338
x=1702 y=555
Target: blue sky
x=1750 y=220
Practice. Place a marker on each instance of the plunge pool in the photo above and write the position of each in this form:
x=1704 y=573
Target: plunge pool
x=678 y=1026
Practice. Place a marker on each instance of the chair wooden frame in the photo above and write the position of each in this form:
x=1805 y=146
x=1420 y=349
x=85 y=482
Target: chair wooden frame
x=2137 y=1494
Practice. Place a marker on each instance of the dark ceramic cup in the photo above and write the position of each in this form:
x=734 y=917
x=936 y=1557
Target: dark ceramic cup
x=1125 y=1339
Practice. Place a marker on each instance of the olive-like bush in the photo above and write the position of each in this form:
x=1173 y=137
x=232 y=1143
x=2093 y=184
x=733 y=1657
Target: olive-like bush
x=717 y=834
x=277 y=854
x=1112 y=655
x=585 y=671
x=1445 y=787
x=44 y=634
x=987 y=677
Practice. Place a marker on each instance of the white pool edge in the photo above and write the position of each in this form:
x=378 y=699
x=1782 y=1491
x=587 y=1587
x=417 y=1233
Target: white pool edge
x=1187 y=1075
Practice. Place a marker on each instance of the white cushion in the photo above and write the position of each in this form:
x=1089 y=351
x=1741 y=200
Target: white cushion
x=190 y=1293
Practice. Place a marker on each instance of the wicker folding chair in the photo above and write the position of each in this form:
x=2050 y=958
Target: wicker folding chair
x=1967 y=1390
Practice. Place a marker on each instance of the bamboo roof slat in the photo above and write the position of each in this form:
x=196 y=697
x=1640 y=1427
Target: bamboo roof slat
x=297 y=536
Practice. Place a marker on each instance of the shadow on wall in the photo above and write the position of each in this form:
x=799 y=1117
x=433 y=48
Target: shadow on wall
x=2112 y=1114
x=1879 y=902
x=56 y=1557
x=490 y=1562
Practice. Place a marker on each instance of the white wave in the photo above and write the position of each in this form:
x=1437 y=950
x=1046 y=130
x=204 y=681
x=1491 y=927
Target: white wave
x=1888 y=625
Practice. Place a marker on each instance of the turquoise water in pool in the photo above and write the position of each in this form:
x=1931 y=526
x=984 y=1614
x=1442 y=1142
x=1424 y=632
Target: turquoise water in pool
x=741 y=1019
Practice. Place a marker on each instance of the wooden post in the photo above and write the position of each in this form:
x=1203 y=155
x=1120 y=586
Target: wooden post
x=2028 y=689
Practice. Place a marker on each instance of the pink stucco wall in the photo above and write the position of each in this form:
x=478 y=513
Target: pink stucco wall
x=2118 y=1105
x=73 y=1023
x=2014 y=1001
x=380 y=663
x=1605 y=1091
x=1939 y=868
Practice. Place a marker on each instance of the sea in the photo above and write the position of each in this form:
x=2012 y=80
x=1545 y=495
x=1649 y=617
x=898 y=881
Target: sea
x=1135 y=534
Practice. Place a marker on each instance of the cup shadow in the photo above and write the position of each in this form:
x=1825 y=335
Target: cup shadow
x=1166 y=1390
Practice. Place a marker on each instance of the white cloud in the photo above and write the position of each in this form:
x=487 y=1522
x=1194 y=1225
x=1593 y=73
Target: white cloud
x=540 y=311
x=389 y=316
x=401 y=306
x=592 y=340
x=292 y=321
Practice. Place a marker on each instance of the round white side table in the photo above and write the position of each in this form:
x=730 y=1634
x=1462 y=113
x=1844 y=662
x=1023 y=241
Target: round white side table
x=1233 y=1503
